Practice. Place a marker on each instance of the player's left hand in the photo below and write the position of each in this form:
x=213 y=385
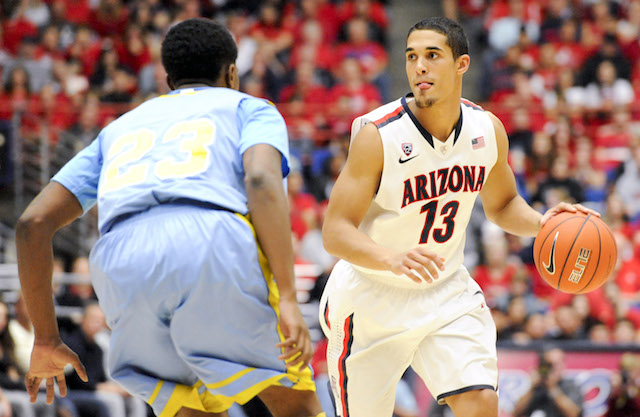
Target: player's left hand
x=297 y=344
x=559 y=208
x=48 y=362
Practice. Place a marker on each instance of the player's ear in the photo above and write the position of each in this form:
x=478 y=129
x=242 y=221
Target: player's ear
x=232 y=78
x=463 y=62
x=170 y=83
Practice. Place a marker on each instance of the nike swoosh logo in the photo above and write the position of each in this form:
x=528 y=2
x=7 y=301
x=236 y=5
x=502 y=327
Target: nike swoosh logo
x=402 y=161
x=551 y=267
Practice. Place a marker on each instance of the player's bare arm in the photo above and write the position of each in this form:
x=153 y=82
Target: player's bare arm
x=270 y=216
x=350 y=199
x=501 y=201
x=52 y=209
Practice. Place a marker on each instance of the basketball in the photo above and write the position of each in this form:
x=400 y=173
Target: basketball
x=575 y=252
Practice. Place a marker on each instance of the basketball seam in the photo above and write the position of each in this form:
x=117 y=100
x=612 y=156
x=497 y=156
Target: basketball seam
x=599 y=255
x=570 y=249
x=609 y=269
x=549 y=235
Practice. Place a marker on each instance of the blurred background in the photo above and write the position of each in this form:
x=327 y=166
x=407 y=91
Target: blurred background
x=563 y=76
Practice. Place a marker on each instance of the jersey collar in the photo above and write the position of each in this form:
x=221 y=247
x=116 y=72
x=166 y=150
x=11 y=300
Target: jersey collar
x=424 y=131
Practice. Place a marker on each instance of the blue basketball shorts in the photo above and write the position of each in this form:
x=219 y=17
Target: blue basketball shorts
x=193 y=310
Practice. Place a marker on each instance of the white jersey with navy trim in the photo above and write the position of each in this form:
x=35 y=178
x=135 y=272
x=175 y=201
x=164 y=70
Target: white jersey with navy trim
x=428 y=187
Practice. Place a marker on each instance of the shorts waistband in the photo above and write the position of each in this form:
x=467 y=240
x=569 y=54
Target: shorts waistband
x=178 y=202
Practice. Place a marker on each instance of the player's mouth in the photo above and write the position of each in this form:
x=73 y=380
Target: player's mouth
x=424 y=85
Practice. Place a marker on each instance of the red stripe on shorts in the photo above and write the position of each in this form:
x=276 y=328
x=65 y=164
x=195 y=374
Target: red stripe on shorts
x=342 y=364
x=326 y=315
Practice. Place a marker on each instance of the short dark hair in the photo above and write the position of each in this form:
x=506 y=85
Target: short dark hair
x=456 y=38
x=197 y=50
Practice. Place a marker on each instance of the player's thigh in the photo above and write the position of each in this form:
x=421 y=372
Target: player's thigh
x=287 y=402
x=369 y=345
x=474 y=403
x=460 y=357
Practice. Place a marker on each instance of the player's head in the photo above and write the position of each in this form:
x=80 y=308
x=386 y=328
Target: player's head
x=437 y=56
x=200 y=51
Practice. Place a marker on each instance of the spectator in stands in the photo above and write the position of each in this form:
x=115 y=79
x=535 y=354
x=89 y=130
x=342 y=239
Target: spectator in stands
x=238 y=24
x=624 y=400
x=370 y=55
x=495 y=275
x=505 y=31
x=569 y=324
x=599 y=334
x=608 y=91
x=98 y=397
x=79 y=293
x=353 y=95
x=589 y=175
x=273 y=37
x=609 y=51
x=624 y=333
x=628 y=181
x=12 y=380
x=22 y=334
x=34 y=11
x=110 y=18
x=560 y=185
x=551 y=393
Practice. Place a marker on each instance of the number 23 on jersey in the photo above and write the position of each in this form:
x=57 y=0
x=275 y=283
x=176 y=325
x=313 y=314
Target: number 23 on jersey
x=125 y=164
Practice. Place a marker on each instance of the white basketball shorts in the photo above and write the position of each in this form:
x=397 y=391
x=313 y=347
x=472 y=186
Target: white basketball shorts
x=376 y=331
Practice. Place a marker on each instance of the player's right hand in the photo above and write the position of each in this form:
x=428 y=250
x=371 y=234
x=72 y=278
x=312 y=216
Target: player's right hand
x=48 y=362
x=297 y=347
x=419 y=264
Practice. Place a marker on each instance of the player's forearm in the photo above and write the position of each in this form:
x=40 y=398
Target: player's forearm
x=270 y=217
x=518 y=218
x=343 y=240
x=35 y=266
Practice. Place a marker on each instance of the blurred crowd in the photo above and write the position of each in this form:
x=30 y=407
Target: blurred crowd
x=563 y=76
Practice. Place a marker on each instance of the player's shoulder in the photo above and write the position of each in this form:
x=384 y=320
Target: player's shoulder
x=386 y=113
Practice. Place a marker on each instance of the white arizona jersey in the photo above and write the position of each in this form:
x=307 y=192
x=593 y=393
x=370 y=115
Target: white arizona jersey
x=428 y=187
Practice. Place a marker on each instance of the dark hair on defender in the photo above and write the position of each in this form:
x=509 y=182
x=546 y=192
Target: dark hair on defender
x=456 y=38
x=197 y=50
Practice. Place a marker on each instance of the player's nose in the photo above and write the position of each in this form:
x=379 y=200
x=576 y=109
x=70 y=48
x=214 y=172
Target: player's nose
x=421 y=66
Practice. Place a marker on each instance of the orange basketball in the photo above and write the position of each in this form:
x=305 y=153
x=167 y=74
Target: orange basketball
x=575 y=252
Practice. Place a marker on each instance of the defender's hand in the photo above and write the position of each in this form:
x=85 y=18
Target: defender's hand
x=297 y=345
x=419 y=264
x=572 y=208
x=48 y=362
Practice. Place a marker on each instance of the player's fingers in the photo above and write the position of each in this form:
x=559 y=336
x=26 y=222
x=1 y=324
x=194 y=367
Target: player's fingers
x=586 y=210
x=79 y=367
x=410 y=274
x=418 y=268
x=289 y=342
x=33 y=385
x=431 y=256
x=50 y=391
x=62 y=384
x=427 y=268
x=305 y=354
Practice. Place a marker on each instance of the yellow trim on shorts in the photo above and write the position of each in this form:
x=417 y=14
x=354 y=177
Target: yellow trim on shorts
x=155 y=392
x=230 y=379
x=303 y=380
x=191 y=397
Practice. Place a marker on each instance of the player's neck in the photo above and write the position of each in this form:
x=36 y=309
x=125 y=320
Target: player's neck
x=440 y=119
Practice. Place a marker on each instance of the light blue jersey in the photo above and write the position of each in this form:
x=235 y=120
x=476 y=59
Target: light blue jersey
x=184 y=145
x=187 y=293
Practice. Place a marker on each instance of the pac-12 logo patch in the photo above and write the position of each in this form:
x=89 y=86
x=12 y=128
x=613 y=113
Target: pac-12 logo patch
x=407 y=148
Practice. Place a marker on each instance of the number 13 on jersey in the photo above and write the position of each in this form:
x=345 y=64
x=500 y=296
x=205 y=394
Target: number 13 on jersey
x=190 y=140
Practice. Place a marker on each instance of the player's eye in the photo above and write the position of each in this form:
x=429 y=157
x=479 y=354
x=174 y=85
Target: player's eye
x=433 y=55
x=411 y=56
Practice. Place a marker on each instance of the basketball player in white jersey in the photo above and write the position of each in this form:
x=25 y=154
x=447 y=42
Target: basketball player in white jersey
x=397 y=216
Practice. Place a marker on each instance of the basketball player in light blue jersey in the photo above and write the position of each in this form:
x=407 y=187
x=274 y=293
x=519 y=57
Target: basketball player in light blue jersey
x=202 y=316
